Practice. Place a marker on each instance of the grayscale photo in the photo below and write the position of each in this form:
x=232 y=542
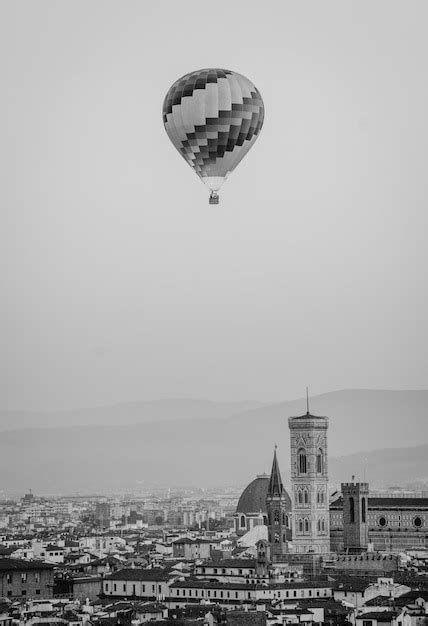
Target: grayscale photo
x=214 y=313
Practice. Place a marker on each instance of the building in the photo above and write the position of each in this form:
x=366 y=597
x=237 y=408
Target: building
x=391 y=524
x=152 y=584
x=25 y=579
x=252 y=510
x=309 y=484
x=192 y=549
x=278 y=515
x=234 y=595
x=355 y=527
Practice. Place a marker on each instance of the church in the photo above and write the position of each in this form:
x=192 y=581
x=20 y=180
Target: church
x=306 y=522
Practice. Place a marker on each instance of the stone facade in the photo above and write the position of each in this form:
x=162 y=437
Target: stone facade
x=309 y=480
x=393 y=524
x=355 y=517
x=25 y=579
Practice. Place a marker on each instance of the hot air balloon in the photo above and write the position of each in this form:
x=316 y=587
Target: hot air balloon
x=213 y=117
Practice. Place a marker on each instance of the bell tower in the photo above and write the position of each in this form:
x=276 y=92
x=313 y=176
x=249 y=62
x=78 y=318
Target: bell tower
x=309 y=483
x=355 y=527
x=278 y=517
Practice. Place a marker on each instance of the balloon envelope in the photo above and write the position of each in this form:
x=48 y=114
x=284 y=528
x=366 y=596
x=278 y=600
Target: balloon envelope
x=213 y=117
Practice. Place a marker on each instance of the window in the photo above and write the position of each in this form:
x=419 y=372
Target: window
x=320 y=461
x=9 y=579
x=367 y=622
x=24 y=577
x=37 y=577
x=351 y=510
x=300 y=525
x=306 y=525
x=382 y=521
x=243 y=524
x=24 y=592
x=37 y=592
x=144 y=588
x=300 y=497
x=114 y=587
x=417 y=522
x=9 y=593
x=106 y=587
x=302 y=461
x=363 y=510
x=124 y=586
x=276 y=517
x=306 y=496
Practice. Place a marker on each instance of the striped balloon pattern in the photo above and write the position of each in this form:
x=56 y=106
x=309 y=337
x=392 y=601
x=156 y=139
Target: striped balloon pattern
x=213 y=117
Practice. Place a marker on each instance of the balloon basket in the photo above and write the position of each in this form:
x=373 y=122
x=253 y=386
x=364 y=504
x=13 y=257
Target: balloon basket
x=214 y=198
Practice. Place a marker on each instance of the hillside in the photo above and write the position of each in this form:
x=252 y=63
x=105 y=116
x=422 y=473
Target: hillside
x=213 y=451
x=125 y=413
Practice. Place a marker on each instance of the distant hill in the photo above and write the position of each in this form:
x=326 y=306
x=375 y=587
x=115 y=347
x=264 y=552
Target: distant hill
x=230 y=450
x=125 y=413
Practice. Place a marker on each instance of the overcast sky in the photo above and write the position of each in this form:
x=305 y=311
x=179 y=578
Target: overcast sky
x=119 y=282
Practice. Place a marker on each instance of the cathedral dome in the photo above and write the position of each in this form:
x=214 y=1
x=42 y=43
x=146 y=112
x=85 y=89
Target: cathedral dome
x=253 y=498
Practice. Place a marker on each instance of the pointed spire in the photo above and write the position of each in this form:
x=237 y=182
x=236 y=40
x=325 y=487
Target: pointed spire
x=276 y=487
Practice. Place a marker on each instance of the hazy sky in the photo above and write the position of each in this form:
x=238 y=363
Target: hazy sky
x=118 y=280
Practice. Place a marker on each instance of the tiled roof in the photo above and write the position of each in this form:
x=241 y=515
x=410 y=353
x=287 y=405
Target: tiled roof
x=387 y=503
x=379 y=616
x=228 y=563
x=18 y=565
x=135 y=573
x=214 y=584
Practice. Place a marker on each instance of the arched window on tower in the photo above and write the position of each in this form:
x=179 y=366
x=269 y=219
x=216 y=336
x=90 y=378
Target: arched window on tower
x=276 y=517
x=283 y=519
x=243 y=522
x=300 y=525
x=320 y=461
x=287 y=521
x=302 y=461
x=352 y=510
x=319 y=525
x=306 y=525
x=300 y=497
x=363 y=510
x=306 y=496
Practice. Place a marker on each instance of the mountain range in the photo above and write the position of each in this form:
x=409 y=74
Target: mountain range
x=379 y=435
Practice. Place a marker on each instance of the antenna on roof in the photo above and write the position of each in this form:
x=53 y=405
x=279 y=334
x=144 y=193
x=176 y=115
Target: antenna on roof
x=307 y=400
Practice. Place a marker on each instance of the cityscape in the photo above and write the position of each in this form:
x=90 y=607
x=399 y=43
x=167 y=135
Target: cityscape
x=213 y=320
x=311 y=554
